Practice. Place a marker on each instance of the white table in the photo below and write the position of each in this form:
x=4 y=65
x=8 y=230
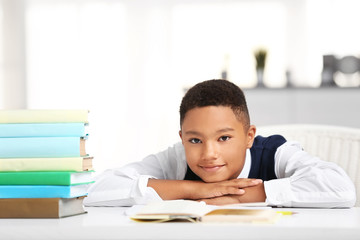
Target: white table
x=111 y=223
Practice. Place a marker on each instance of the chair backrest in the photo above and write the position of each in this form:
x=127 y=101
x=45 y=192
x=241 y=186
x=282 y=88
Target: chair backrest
x=340 y=145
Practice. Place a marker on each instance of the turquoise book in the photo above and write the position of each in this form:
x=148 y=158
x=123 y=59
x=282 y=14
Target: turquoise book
x=42 y=147
x=45 y=178
x=42 y=130
x=43 y=191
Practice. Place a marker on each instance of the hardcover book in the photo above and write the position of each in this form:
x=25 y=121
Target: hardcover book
x=43 y=116
x=45 y=178
x=193 y=211
x=42 y=147
x=42 y=130
x=76 y=164
x=41 y=207
x=43 y=191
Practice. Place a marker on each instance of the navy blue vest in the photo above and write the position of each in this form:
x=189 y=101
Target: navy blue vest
x=262 y=158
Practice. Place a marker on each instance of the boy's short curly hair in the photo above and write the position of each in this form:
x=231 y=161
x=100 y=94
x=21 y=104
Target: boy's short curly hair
x=216 y=92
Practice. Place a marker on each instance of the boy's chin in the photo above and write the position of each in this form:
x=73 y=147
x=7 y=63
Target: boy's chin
x=213 y=179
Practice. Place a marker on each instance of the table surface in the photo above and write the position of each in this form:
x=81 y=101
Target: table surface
x=112 y=223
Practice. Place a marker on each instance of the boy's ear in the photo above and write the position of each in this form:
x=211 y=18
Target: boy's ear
x=251 y=136
x=180 y=134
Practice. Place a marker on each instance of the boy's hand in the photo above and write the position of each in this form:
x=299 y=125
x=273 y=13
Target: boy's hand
x=231 y=187
x=252 y=194
x=195 y=190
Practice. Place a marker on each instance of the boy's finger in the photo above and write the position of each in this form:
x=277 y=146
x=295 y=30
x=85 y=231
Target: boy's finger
x=237 y=191
x=240 y=183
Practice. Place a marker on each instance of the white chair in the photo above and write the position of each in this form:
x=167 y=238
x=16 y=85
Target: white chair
x=340 y=145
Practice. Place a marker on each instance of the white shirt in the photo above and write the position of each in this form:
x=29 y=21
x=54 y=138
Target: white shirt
x=302 y=180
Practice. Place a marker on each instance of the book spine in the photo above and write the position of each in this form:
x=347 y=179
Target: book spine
x=40 y=147
x=41 y=207
x=42 y=130
x=29 y=207
x=35 y=178
x=43 y=116
x=39 y=191
x=41 y=164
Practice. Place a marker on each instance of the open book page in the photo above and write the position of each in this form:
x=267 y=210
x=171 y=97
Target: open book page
x=186 y=206
x=199 y=211
x=243 y=215
x=160 y=211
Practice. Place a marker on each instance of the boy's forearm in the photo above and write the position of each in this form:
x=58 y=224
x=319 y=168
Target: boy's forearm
x=252 y=194
x=173 y=189
x=195 y=190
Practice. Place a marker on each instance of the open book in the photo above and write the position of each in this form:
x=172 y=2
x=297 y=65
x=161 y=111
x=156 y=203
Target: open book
x=193 y=211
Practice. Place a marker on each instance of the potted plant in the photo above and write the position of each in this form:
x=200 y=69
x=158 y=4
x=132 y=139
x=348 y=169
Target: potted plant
x=260 y=57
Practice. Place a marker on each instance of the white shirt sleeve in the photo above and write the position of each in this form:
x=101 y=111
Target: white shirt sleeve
x=306 y=181
x=127 y=186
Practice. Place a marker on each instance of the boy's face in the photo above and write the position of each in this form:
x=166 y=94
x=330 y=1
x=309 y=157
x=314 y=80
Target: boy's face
x=215 y=142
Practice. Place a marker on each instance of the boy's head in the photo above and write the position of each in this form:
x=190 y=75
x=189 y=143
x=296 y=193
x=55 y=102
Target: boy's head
x=215 y=130
x=216 y=93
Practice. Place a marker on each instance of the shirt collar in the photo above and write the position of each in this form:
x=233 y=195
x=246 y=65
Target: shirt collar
x=246 y=169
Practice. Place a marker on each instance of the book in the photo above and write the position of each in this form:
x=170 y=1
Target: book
x=193 y=211
x=43 y=116
x=42 y=147
x=45 y=178
x=77 y=164
x=43 y=191
x=42 y=130
x=41 y=207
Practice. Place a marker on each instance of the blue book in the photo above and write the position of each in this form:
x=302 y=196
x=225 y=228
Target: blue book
x=42 y=130
x=43 y=191
x=42 y=147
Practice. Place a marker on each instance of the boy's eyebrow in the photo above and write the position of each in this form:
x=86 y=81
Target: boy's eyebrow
x=191 y=132
x=227 y=129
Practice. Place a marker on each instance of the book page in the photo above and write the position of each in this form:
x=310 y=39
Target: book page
x=175 y=207
x=252 y=215
x=187 y=207
x=193 y=211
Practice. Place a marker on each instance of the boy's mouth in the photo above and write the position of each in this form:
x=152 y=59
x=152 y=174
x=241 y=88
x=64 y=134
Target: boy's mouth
x=212 y=168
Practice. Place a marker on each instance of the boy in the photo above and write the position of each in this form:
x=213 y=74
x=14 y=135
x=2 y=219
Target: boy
x=220 y=161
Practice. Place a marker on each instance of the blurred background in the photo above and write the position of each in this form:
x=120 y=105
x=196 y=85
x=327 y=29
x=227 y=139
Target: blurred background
x=130 y=62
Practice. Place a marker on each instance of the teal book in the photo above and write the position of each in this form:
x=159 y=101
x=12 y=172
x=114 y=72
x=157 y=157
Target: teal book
x=42 y=191
x=45 y=178
x=42 y=147
x=42 y=130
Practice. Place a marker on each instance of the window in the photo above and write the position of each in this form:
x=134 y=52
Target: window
x=1 y=59
x=129 y=61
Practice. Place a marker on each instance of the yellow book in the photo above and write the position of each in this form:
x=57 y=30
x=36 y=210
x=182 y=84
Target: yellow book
x=193 y=211
x=46 y=164
x=43 y=116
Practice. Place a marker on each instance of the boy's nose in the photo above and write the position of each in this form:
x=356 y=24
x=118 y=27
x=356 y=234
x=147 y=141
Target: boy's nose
x=209 y=152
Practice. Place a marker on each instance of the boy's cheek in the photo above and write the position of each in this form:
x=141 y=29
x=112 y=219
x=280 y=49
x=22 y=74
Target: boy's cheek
x=191 y=149
x=192 y=156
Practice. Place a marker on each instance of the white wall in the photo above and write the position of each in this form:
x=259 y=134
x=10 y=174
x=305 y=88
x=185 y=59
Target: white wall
x=13 y=54
x=128 y=61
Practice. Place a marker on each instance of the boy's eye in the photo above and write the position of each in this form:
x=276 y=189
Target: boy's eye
x=195 y=140
x=224 y=138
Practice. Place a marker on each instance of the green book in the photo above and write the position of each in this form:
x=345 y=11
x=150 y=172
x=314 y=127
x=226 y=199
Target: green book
x=45 y=178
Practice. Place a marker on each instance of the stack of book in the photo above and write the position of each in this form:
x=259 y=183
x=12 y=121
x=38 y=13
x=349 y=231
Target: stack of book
x=44 y=168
